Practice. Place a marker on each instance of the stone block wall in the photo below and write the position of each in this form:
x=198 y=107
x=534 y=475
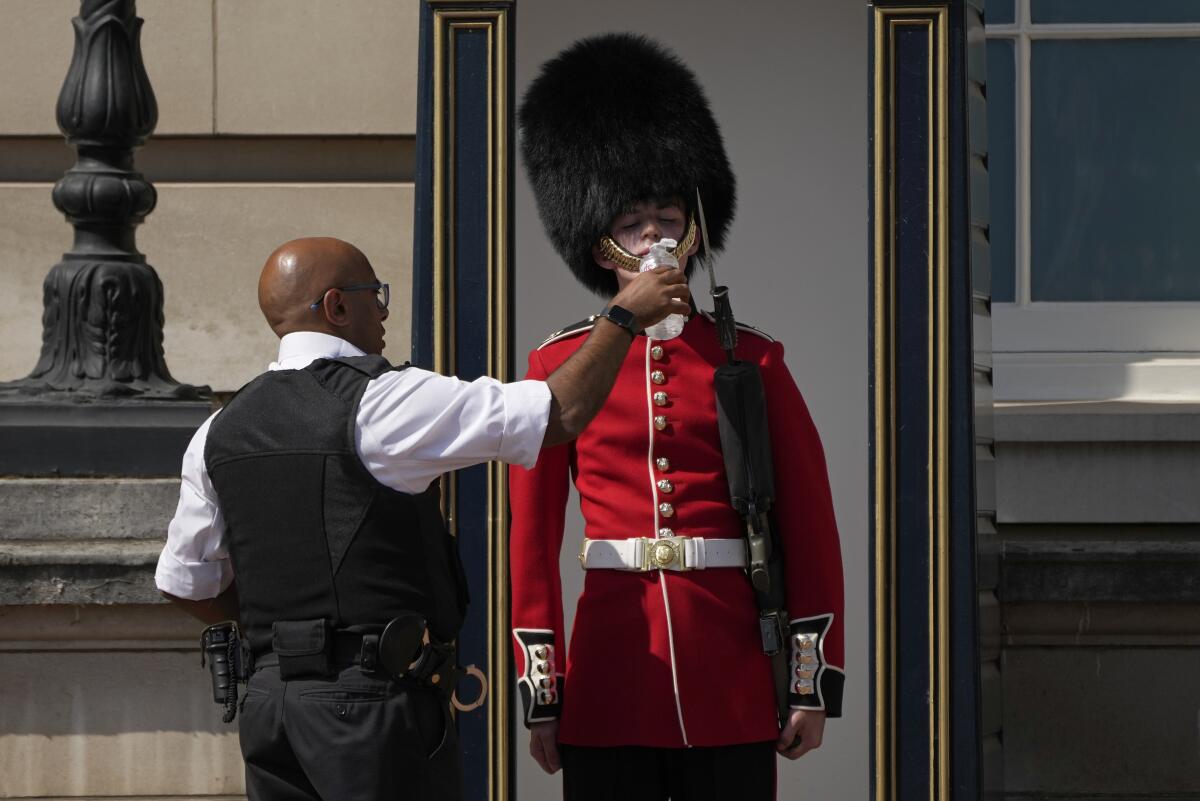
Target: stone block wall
x=1100 y=590
x=277 y=119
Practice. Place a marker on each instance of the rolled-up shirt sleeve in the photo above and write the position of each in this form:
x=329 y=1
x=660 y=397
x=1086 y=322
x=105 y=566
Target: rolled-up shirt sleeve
x=195 y=562
x=413 y=425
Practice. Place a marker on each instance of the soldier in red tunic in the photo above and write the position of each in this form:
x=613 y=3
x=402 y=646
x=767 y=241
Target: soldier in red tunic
x=665 y=691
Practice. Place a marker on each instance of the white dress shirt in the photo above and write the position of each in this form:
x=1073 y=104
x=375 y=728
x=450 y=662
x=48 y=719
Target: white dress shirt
x=412 y=426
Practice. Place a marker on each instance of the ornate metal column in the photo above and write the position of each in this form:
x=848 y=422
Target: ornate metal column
x=100 y=399
x=103 y=304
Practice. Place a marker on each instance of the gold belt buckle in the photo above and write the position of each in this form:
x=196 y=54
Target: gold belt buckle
x=666 y=553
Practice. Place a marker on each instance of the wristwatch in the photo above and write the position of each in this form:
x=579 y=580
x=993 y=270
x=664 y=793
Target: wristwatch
x=620 y=316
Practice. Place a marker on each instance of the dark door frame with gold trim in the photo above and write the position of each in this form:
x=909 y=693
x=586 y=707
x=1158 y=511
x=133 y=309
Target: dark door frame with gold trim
x=929 y=275
x=462 y=322
x=928 y=269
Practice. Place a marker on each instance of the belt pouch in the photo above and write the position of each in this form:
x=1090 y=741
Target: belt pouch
x=303 y=647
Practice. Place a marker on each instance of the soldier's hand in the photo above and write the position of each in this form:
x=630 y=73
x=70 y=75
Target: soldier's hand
x=543 y=745
x=654 y=294
x=803 y=733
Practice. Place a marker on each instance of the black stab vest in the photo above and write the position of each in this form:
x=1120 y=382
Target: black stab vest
x=311 y=533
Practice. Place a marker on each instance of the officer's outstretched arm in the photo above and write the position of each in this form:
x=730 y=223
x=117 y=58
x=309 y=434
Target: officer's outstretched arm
x=579 y=387
x=210 y=610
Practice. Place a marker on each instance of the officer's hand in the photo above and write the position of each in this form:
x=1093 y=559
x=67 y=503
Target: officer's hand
x=543 y=743
x=803 y=733
x=655 y=294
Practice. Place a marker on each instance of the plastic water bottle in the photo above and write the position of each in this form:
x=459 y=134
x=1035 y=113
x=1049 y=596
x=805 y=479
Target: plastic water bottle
x=660 y=254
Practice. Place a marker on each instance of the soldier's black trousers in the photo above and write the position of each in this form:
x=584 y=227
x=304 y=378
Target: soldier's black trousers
x=355 y=737
x=630 y=773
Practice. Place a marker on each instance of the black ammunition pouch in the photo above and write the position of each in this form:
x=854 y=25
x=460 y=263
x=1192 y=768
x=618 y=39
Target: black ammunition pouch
x=303 y=648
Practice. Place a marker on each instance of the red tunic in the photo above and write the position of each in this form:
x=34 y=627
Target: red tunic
x=667 y=658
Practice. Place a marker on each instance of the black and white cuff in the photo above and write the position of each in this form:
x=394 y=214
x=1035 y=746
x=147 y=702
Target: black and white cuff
x=815 y=684
x=540 y=685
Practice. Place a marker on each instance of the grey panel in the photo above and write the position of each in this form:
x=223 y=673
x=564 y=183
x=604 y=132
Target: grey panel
x=1084 y=482
x=985 y=481
x=983 y=367
x=1002 y=166
x=1120 y=723
x=976 y=55
x=979 y=192
x=1113 y=205
x=993 y=768
x=58 y=509
x=984 y=419
x=1100 y=571
x=1114 y=421
x=982 y=338
x=1096 y=624
x=989 y=627
x=992 y=693
x=981 y=260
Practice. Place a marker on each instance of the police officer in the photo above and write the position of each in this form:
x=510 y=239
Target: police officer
x=314 y=488
x=666 y=691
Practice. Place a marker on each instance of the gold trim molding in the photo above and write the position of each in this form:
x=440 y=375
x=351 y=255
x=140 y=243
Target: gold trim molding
x=448 y=24
x=886 y=22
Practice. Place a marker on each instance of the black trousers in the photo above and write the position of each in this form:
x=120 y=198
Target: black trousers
x=354 y=737
x=628 y=773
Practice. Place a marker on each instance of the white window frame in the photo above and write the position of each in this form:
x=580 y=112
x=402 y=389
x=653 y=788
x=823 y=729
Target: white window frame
x=1084 y=350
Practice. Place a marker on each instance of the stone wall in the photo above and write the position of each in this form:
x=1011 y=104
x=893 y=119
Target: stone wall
x=1100 y=590
x=277 y=119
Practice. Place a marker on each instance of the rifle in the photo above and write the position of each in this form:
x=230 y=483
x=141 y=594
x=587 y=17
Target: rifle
x=746 y=447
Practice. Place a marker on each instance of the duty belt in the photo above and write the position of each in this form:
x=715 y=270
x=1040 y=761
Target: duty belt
x=643 y=554
x=402 y=649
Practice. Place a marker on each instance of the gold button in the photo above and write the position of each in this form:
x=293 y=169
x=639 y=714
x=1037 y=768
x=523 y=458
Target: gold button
x=660 y=399
x=804 y=687
x=543 y=668
x=541 y=652
x=656 y=352
x=807 y=659
x=666 y=510
x=666 y=532
x=658 y=377
x=665 y=485
x=660 y=422
x=663 y=463
x=803 y=641
x=806 y=672
x=435 y=678
x=546 y=683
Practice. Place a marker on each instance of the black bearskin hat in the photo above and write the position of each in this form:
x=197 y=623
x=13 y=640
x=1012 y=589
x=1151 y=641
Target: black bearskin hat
x=610 y=121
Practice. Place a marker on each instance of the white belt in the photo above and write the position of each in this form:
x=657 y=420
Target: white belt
x=664 y=553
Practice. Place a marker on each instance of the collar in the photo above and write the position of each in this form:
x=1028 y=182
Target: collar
x=299 y=349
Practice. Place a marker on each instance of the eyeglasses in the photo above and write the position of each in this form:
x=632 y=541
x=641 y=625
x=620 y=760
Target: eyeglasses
x=380 y=299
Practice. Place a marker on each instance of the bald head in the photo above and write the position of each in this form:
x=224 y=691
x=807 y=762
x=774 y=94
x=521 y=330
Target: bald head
x=299 y=272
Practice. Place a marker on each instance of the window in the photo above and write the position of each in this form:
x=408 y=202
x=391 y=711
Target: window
x=1095 y=197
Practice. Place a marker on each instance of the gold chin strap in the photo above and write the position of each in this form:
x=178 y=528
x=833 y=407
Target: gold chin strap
x=631 y=263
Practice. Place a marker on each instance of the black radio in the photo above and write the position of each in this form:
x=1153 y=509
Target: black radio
x=221 y=649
